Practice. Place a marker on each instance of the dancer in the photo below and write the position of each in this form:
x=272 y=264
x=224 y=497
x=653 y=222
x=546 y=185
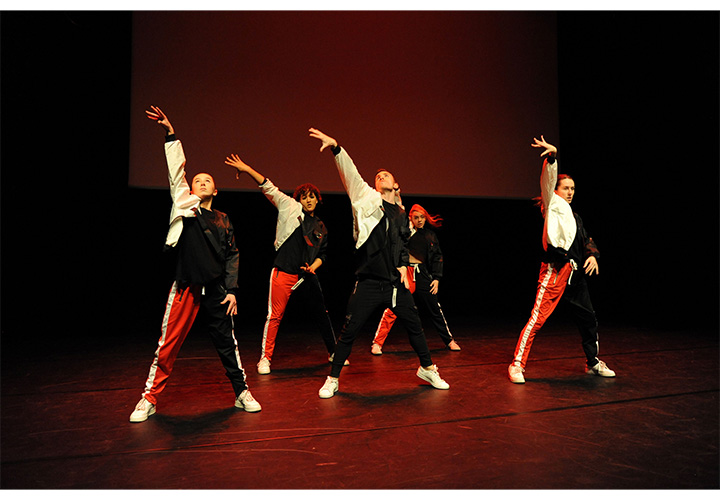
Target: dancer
x=301 y=245
x=381 y=232
x=206 y=278
x=566 y=243
x=424 y=274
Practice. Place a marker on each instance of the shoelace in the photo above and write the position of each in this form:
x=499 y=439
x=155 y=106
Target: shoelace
x=433 y=371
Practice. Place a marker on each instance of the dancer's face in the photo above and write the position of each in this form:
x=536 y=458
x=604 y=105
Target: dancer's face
x=566 y=190
x=417 y=219
x=384 y=181
x=203 y=186
x=309 y=201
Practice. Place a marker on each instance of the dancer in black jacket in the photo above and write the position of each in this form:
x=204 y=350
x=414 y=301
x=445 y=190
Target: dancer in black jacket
x=206 y=278
x=381 y=232
x=424 y=274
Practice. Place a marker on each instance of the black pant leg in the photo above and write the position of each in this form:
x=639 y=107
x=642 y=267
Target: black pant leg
x=315 y=305
x=432 y=305
x=365 y=299
x=577 y=297
x=220 y=327
x=407 y=313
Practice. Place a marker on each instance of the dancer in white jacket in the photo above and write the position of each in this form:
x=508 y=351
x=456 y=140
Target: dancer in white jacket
x=381 y=232
x=301 y=246
x=206 y=277
x=566 y=244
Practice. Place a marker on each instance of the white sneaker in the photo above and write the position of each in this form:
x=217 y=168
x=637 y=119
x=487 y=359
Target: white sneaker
x=143 y=410
x=263 y=366
x=329 y=388
x=332 y=356
x=601 y=370
x=247 y=402
x=376 y=350
x=515 y=373
x=433 y=376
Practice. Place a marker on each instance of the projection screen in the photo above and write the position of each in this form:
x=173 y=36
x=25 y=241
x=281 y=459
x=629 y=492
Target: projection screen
x=447 y=101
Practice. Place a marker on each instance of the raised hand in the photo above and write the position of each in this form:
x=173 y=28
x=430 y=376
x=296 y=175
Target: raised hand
x=234 y=161
x=157 y=115
x=549 y=148
x=326 y=140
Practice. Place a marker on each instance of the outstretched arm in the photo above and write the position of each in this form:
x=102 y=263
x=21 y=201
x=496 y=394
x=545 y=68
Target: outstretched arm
x=160 y=117
x=326 y=140
x=234 y=161
x=549 y=148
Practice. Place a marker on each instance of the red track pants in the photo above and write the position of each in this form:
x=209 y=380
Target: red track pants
x=555 y=284
x=282 y=285
x=182 y=308
x=551 y=286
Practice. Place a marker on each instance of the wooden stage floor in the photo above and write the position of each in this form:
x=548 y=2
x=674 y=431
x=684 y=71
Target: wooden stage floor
x=65 y=416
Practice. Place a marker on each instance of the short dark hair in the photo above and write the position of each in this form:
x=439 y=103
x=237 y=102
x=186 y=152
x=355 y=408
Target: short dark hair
x=307 y=188
x=386 y=170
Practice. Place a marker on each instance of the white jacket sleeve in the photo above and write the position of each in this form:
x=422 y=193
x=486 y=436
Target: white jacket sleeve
x=366 y=201
x=183 y=201
x=290 y=213
x=560 y=226
x=548 y=180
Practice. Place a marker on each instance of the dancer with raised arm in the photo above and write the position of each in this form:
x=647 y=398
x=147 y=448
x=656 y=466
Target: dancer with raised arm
x=566 y=245
x=301 y=246
x=380 y=232
x=206 y=277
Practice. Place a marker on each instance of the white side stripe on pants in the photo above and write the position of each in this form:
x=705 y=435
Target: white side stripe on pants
x=534 y=315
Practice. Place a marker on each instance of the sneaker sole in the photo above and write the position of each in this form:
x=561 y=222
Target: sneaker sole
x=137 y=420
x=249 y=410
x=430 y=382
x=328 y=397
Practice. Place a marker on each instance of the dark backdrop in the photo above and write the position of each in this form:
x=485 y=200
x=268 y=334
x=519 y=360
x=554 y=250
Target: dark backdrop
x=81 y=252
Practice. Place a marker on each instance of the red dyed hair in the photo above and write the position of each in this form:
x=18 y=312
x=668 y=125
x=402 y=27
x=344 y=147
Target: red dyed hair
x=307 y=188
x=433 y=220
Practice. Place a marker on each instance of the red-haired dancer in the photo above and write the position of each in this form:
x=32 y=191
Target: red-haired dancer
x=301 y=245
x=566 y=244
x=424 y=274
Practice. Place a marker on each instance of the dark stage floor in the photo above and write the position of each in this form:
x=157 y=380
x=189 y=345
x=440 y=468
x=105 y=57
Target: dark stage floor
x=65 y=416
